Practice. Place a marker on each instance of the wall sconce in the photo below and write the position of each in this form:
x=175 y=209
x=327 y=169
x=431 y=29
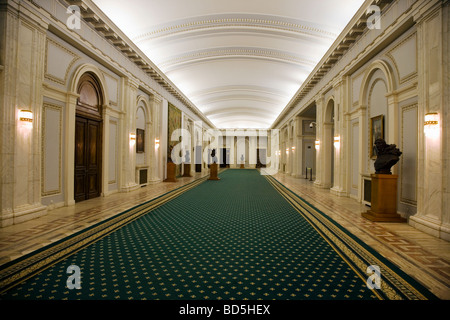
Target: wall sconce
x=293 y=148
x=431 y=124
x=317 y=144
x=156 y=143
x=287 y=150
x=132 y=136
x=26 y=116
x=337 y=142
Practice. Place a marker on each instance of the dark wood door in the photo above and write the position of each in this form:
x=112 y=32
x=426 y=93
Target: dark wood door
x=225 y=156
x=198 y=159
x=261 y=158
x=87 y=159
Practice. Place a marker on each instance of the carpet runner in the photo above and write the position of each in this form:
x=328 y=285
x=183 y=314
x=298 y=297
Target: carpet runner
x=246 y=236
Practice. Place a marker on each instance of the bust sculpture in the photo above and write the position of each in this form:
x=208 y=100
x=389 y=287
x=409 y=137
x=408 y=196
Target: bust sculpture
x=387 y=156
x=213 y=156
x=169 y=154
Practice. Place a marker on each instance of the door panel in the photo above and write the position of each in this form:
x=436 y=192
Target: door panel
x=198 y=159
x=80 y=159
x=94 y=152
x=87 y=159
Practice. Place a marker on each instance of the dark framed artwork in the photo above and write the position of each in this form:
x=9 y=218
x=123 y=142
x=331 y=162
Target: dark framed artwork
x=140 y=140
x=376 y=132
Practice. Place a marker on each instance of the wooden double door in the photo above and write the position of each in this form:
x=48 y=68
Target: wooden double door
x=88 y=141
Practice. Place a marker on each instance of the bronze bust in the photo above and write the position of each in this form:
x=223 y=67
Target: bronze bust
x=387 y=156
x=213 y=156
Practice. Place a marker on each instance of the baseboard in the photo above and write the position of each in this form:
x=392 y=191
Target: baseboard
x=29 y=212
x=431 y=227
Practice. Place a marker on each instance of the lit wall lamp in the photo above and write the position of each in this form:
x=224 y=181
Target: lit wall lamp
x=132 y=136
x=156 y=143
x=317 y=144
x=337 y=142
x=293 y=148
x=26 y=116
x=287 y=150
x=431 y=125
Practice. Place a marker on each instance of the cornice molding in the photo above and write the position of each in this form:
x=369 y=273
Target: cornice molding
x=93 y=16
x=355 y=28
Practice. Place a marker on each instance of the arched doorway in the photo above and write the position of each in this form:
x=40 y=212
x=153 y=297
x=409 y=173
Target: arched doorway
x=88 y=139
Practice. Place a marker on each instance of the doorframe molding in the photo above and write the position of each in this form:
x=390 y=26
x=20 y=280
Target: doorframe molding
x=71 y=103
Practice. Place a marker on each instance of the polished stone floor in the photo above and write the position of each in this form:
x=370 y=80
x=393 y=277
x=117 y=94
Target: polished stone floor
x=422 y=256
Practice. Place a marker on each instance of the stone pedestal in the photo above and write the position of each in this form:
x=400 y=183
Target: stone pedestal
x=242 y=166
x=384 y=199
x=187 y=170
x=213 y=172
x=171 y=172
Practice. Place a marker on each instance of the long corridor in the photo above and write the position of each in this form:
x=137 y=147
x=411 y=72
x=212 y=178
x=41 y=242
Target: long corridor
x=423 y=257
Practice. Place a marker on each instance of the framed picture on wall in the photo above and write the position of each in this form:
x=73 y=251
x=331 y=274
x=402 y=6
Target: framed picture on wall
x=140 y=140
x=376 y=132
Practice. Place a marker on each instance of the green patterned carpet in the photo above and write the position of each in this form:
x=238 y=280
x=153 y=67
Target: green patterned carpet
x=243 y=237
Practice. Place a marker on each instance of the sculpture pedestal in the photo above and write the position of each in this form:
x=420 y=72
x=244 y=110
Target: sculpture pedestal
x=171 y=172
x=242 y=166
x=213 y=172
x=187 y=170
x=384 y=199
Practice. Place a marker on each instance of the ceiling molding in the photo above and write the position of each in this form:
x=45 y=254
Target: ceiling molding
x=225 y=53
x=227 y=21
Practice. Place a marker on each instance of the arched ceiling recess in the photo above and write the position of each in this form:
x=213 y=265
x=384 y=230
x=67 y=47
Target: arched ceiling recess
x=239 y=61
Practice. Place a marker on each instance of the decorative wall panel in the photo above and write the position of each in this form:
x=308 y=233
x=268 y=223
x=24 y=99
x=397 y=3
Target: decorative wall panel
x=59 y=61
x=112 y=152
x=408 y=159
x=51 y=149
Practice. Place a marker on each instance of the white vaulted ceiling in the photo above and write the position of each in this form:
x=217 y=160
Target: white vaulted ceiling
x=239 y=61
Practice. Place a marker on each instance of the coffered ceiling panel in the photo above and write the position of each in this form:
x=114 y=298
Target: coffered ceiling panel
x=239 y=61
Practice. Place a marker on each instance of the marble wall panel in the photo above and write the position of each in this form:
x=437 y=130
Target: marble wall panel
x=51 y=150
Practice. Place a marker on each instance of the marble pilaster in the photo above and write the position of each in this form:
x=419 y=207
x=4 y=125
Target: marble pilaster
x=21 y=81
x=433 y=72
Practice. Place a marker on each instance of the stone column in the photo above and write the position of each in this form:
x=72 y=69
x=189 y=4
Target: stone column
x=362 y=114
x=128 y=120
x=339 y=185
x=252 y=153
x=433 y=209
x=23 y=40
x=287 y=150
x=156 y=152
x=320 y=152
x=69 y=169
x=295 y=148
x=105 y=145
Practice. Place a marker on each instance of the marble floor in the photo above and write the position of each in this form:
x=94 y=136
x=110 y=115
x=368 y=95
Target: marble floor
x=422 y=256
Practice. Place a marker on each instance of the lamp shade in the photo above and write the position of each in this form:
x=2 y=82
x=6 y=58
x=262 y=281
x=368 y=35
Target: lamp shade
x=431 y=124
x=26 y=115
